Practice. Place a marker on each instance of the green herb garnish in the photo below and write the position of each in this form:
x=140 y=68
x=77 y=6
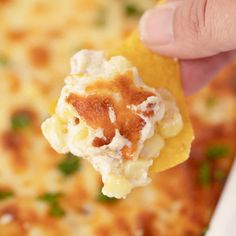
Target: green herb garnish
x=211 y=101
x=219 y=175
x=103 y=198
x=5 y=194
x=204 y=231
x=20 y=121
x=56 y=210
x=101 y=17
x=132 y=10
x=218 y=151
x=69 y=165
x=53 y=200
x=3 y=60
x=204 y=173
x=50 y=198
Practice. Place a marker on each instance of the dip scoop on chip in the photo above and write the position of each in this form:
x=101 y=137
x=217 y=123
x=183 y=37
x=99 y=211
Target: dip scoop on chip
x=124 y=113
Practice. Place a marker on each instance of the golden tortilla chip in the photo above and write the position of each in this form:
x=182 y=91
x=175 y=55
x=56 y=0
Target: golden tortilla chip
x=161 y=72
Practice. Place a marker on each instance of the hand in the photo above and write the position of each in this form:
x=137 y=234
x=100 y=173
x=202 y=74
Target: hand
x=202 y=33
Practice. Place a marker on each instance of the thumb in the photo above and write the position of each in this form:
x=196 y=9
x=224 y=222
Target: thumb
x=190 y=28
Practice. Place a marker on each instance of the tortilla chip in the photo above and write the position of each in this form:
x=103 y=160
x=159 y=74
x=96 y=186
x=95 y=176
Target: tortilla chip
x=161 y=72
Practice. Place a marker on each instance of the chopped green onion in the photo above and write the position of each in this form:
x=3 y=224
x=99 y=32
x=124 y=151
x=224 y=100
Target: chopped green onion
x=50 y=198
x=105 y=199
x=204 y=231
x=219 y=175
x=217 y=151
x=211 y=101
x=20 y=121
x=101 y=17
x=3 y=60
x=204 y=173
x=53 y=200
x=132 y=10
x=69 y=165
x=56 y=210
x=5 y=194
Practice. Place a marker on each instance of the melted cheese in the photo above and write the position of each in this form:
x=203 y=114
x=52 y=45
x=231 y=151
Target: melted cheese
x=115 y=113
x=61 y=29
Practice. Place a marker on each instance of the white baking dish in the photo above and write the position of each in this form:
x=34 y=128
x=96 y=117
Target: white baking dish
x=223 y=222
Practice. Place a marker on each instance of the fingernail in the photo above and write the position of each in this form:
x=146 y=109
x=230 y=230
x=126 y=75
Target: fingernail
x=156 y=25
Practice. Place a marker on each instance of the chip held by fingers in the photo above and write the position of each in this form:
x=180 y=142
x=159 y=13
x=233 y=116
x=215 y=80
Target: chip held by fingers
x=125 y=113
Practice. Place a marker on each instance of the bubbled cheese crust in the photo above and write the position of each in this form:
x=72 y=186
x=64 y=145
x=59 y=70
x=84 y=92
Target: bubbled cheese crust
x=106 y=114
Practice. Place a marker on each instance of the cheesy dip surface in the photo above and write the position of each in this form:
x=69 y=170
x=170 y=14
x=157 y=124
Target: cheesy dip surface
x=107 y=115
x=44 y=193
